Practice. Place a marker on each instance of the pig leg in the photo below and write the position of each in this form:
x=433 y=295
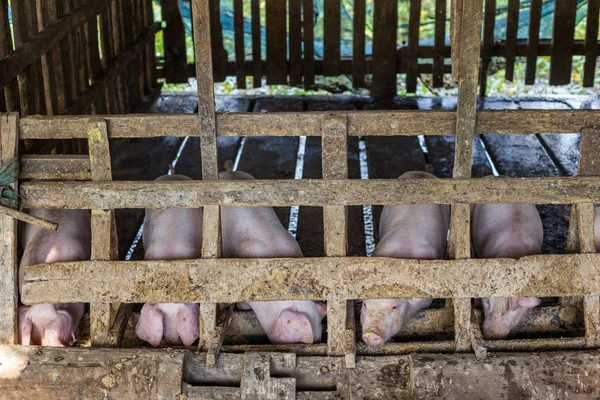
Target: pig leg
x=253 y=232
x=171 y=234
x=53 y=324
x=512 y=231
x=410 y=232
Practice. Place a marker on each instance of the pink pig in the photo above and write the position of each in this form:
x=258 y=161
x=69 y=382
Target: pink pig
x=409 y=231
x=253 y=232
x=171 y=234
x=53 y=324
x=511 y=231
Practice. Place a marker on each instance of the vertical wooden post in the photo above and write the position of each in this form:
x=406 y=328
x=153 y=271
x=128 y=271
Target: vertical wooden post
x=340 y=313
x=562 y=42
x=591 y=43
x=276 y=42
x=412 y=61
x=105 y=244
x=331 y=37
x=174 y=36
x=384 y=48
x=466 y=65
x=512 y=27
x=256 y=45
x=240 y=65
x=488 y=43
x=295 y=12
x=439 y=43
x=11 y=91
x=581 y=229
x=211 y=332
x=9 y=277
x=533 y=40
x=309 y=44
x=358 y=44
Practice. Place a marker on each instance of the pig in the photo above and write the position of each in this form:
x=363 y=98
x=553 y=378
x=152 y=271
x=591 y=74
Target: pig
x=417 y=231
x=171 y=234
x=255 y=232
x=505 y=231
x=53 y=324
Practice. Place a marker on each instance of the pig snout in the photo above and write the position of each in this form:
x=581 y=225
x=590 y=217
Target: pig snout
x=373 y=337
x=503 y=314
x=293 y=327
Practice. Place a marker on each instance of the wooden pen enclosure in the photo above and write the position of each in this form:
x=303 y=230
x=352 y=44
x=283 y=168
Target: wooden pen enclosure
x=341 y=366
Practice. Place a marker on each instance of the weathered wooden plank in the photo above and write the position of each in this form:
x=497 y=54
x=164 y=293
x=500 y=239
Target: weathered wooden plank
x=175 y=66
x=46 y=60
x=219 y=54
x=332 y=37
x=591 y=43
x=331 y=278
x=385 y=26
x=256 y=45
x=55 y=373
x=439 y=43
x=284 y=192
x=358 y=44
x=562 y=42
x=9 y=289
x=512 y=26
x=488 y=43
x=238 y=25
x=10 y=92
x=412 y=60
x=276 y=42
x=309 y=44
x=360 y=123
x=533 y=39
x=295 y=21
x=62 y=167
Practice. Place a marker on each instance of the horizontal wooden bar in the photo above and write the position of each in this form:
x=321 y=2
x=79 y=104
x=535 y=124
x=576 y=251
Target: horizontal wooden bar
x=63 y=167
x=309 y=192
x=47 y=39
x=327 y=278
x=360 y=123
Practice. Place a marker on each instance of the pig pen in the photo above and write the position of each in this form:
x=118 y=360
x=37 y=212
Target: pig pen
x=440 y=354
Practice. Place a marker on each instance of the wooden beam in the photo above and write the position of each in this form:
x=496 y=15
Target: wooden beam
x=238 y=21
x=384 y=48
x=512 y=27
x=360 y=123
x=58 y=167
x=295 y=23
x=331 y=278
x=276 y=42
x=309 y=45
x=331 y=37
x=44 y=41
x=533 y=40
x=412 y=60
x=175 y=66
x=591 y=42
x=318 y=193
x=256 y=45
x=9 y=288
x=562 y=42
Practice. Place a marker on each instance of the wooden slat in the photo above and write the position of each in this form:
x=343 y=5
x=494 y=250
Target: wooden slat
x=62 y=167
x=488 y=43
x=295 y=16
x=533 y=39
x=512 y=27
x=358 y=44
x=219 y=54
x=562 y=42
x=238 y=24
x=59 y=373
x=256 y=45
x=340 y=336
x=412 y=61
x=332 y=37
x=459 y=242
x=360 y=123
x=439 y=43
x=333 y=278
x=309 y=44
x=286 y=193
x=9 y=289
x=384 y=48
x=46 y=61
x=104 y=241
x=276 y=42
x=591 y=43
x=175 y=67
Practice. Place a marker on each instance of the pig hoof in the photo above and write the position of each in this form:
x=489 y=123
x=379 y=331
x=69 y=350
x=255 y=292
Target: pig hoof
x=293 y=327
x=372 y=339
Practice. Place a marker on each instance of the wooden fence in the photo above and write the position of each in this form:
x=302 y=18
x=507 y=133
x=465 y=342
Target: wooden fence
x=76 y=57
x=413 y=58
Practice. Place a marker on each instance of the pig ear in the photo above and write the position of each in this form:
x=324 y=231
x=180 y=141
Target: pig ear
x=150 y=325
x=529 y=302
x=187 y=324
x=24 y=327
x=322 y=309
